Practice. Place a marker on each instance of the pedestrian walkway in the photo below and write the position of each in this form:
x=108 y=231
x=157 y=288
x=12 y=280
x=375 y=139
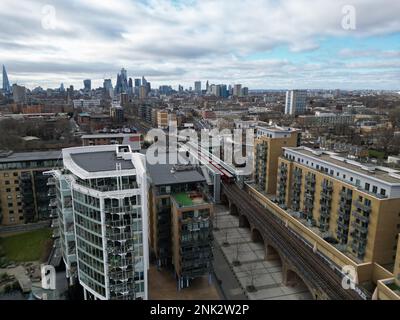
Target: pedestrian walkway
x=253 y=270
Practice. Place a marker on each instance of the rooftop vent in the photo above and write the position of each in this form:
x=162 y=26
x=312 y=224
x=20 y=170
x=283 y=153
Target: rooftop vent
x=182 y=167
x=5 y=153
x=121 y=150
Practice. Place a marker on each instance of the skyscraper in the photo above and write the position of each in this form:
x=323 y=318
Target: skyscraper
x=122 y=82
x=108 y=88
x=296 y=101
x=197 y=86
x=87 y=84
x=107 y=85
x=137 y=83
x=6 y=83
x=237 y=90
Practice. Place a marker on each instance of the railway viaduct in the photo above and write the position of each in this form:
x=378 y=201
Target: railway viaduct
x=299 y=262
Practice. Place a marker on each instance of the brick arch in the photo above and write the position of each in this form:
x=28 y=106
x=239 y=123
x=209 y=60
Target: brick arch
x=233 y=209
x=291 y=278
x=256 y=236
x=244 y=222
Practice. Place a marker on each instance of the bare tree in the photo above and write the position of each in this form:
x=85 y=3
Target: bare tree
x=236 y=261
x=251 y=271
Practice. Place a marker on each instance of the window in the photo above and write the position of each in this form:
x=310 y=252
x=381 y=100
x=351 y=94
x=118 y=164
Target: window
x=344 y=176
x=8 y=190
x=374 y=189
x=367 y=185
x=383 y=192
x=7 y=182
x=15 y=174
x=351 y=179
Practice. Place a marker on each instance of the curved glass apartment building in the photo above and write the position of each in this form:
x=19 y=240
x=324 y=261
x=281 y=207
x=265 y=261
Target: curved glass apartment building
x=109 y=211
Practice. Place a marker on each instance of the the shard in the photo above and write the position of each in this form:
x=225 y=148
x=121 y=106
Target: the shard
x=6 y=83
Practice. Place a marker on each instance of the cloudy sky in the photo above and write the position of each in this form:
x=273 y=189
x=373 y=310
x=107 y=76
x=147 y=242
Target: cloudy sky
x=263 y=44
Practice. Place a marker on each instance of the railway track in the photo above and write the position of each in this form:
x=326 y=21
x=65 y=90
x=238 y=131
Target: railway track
x=311 y=266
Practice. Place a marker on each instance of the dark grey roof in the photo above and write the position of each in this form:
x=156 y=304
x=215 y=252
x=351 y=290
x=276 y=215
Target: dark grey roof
x=161 y=175
x=32 y=156
x=100 y=161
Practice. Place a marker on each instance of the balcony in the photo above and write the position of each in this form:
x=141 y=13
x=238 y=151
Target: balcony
x=326 y=196
x=344 y=217
x=359 y=205
x=359 y=247
x=360 y=216
x=344 y=205
x=343 y=225
x=328 y=186
x=324 y=213
x=309 y=195
x=346 y=195
x=53 y=203
x=363 y=230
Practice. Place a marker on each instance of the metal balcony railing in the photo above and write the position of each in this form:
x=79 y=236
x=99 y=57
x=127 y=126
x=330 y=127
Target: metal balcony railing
x=360 y=216
x=360 y=228
x=358 y=204
x=343 y=225
x=346 y=195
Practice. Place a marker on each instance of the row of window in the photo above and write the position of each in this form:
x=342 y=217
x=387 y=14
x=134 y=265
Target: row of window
x=6 y=175
x=87 y=211
x=84 y=198
x=331 y=172
x=28 y=164
x=88 y=236
x=8 y=182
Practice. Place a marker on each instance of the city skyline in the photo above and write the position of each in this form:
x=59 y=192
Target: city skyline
x=177 y=43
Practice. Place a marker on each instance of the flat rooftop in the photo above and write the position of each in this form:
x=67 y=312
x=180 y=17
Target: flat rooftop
x=376 y=173
x=108 y=135
x=31 y=156
x=100 y=161
x=161 y=174
x=184 y=199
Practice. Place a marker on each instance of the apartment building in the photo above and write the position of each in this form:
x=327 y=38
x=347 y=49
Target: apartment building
x=355 y=206
x=268 y=145
x=180 y=221
x=24 y=192
x=162 y=119
x=131 y=139
x=296 y=102
x=326 y=119
x=102 y=208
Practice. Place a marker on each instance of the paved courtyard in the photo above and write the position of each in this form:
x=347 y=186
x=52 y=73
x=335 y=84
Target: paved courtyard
x=162 y=286
x=265 y=276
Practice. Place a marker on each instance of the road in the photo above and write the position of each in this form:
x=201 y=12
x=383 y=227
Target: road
x=25 y=227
